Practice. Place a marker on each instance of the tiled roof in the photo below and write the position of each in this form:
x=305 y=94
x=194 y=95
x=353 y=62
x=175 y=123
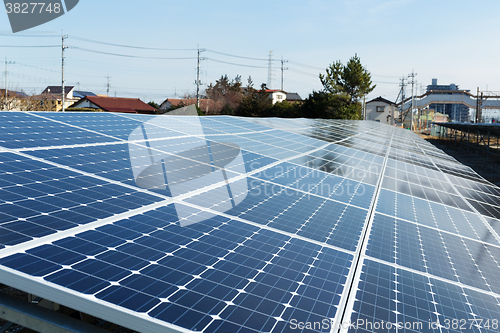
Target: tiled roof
x=118 y=104
x=82 y=94
x=205 y=104
x=56 y=90
x=381 y=99
x=293 y=97
x=12 y=93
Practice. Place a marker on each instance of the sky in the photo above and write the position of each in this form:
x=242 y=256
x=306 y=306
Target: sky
x=453 y=41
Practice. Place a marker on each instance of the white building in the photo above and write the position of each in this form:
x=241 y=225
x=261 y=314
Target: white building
x=381 y=110
x=277 y=95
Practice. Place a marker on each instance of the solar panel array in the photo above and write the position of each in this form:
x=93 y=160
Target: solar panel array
x=315 y=225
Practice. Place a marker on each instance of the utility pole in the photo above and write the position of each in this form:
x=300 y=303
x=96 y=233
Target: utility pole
x=270 y=71
x=364 y=107
x=107 y=85
x=403 y=85
x=6 y=88
x=478 y=106
x=282 y=70
x=198 y=83
x=63 y=89
x=412 y=76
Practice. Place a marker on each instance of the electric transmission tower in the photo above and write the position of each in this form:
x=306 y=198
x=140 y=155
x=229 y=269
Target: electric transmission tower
x=270 y=71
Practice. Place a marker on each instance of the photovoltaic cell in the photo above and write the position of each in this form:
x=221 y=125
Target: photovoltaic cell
x=415 y=303
x=24 y=130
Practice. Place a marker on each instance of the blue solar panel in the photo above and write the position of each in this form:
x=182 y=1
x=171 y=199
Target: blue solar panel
x=394 y=299
x=39 y=199
x=26 y=130
x=225 y=224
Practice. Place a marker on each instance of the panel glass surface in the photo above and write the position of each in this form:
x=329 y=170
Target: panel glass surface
x=226 y=224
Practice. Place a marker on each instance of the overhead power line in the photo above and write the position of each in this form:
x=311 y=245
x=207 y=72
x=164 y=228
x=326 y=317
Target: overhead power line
x=304 y=65
x=235 y=64
x=31 y=36
x=30 y=46
x=382 y=82
x=40 y=68
x=131 y=56
x=387 y=76
x=301 y=72
x=128 y=46
x=237 y=56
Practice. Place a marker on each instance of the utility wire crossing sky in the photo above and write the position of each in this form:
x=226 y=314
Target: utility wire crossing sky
x=150 y=50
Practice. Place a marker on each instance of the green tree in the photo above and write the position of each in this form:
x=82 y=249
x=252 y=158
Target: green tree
x=255 y=103
x=155 y=105
x=226 y=94
x=343 y=88
x=321 y=104
x=285 y=109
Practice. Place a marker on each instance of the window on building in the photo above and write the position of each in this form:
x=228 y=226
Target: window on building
x=380 y=108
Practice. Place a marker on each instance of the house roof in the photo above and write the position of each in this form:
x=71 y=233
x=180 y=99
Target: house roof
x=205 y=103
x=82 y=94
x=12 y=93
x=381 y=99
x=56 y=90
x=118 y=104
x=293 y=97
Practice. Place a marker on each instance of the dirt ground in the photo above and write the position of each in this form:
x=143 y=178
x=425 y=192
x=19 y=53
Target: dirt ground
x=486 y=166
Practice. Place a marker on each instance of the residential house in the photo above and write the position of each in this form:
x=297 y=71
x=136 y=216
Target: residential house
x=381 y=110
x=51 y=98
x=294 y=98
x=115 y=104
x=276 y=95
x=12 y=100
x=81 y=94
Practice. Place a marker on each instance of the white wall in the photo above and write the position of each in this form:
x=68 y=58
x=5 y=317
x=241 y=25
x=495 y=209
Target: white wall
x=87 y=104
x=373 y=114
x=278 y=96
